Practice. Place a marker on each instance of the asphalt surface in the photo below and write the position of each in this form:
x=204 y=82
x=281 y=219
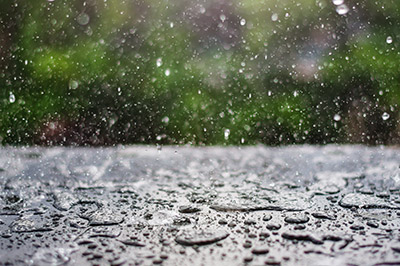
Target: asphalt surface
x=137 y=205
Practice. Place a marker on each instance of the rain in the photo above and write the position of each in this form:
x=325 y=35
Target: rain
x=199 y=132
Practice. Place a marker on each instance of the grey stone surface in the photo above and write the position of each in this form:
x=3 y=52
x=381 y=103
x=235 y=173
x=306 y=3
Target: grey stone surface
x=137 y=205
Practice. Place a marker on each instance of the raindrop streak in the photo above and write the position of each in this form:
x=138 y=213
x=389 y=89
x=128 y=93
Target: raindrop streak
x=385 y=116
x=167 y=72
x=389 y=40
x=342 y=9
x=12 y=98
x=159 y=62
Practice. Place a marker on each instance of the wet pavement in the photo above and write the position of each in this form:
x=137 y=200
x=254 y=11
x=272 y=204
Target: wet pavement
x=137 y=205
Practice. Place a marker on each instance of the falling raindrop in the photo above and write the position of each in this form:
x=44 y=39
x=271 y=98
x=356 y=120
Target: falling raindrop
x=242 y=22
x=385 y=116
x=12 y=98
x=342 y=9
x=165 y=120
x=337 y=117
x=73 y=84
x=83 y=19
x=389 y=40
x=337 y=2
x=274 y=17
x=167 y=72
x=227 y=132
x=159 y=62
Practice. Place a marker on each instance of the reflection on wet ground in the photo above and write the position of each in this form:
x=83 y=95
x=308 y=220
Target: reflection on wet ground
x=300 y=205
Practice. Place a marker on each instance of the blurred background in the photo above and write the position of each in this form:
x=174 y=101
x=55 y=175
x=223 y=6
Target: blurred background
x=104 y=72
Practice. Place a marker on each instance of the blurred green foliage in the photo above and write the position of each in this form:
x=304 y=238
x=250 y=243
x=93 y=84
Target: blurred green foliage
x=104 y=72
